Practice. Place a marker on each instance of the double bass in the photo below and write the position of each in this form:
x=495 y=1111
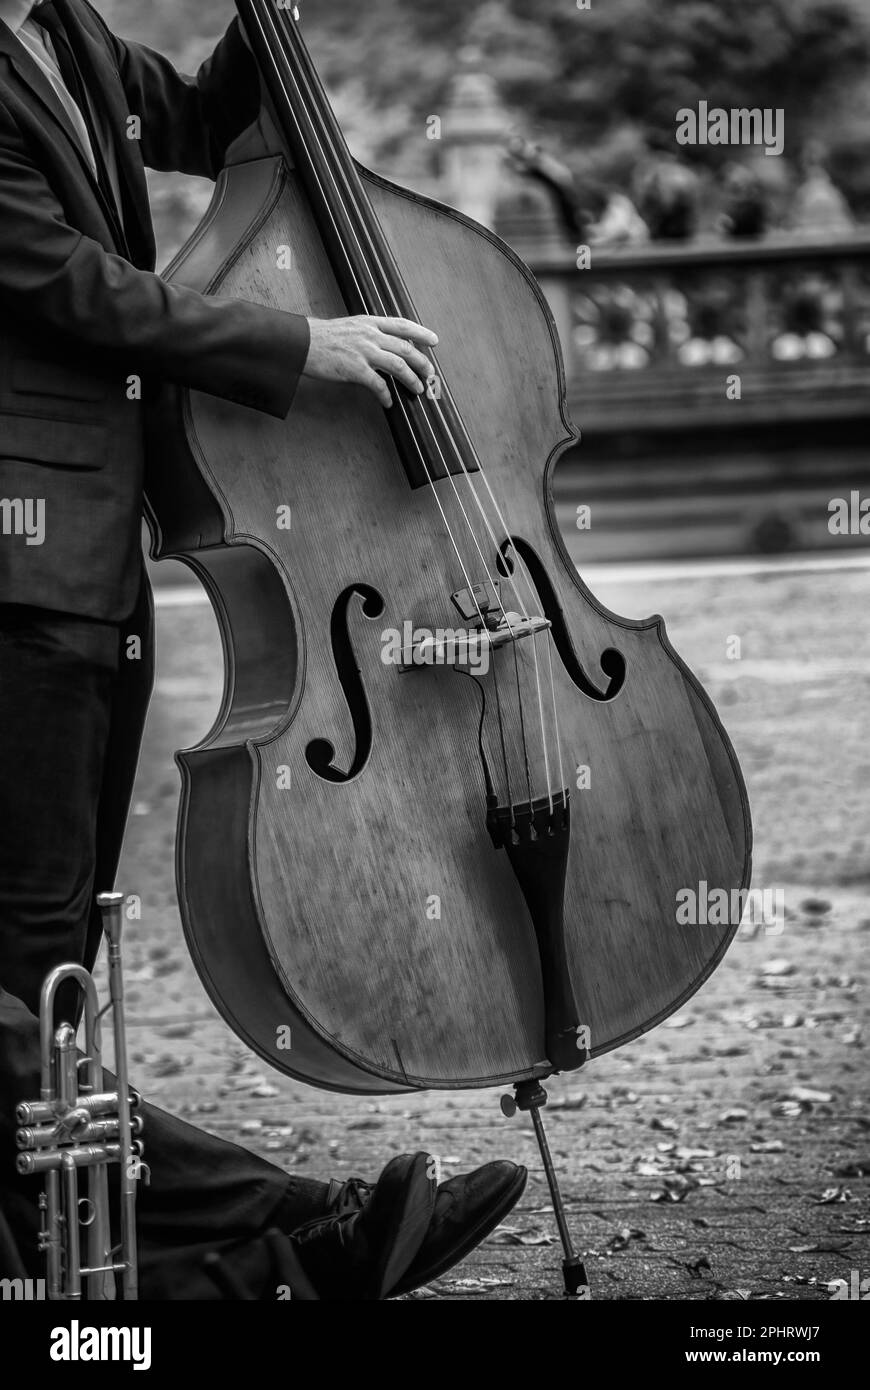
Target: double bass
x=437 y=834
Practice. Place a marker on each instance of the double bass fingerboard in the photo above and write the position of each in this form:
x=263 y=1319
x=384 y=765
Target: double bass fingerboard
x=428 y=430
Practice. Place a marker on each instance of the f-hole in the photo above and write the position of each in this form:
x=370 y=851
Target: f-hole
x=611 y=661
x=320 y=753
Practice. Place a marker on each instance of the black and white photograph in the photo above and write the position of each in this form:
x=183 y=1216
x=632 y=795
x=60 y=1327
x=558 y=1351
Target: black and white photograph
x=434 y=671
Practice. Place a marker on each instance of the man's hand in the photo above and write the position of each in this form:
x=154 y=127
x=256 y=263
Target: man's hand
x=359 y=349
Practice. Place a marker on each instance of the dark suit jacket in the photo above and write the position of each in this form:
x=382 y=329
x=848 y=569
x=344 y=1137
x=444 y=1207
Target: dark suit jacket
x=81 y=310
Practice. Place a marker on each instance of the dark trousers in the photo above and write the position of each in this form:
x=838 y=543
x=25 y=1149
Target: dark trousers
x=73 y=698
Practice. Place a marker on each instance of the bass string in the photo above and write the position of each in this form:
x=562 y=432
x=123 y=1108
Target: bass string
x=435 y=441
x=524 y=613
x=360 y=204
x=527 y=578
x=420 y=451
x=328 y=208
x=358 y=201
x=313 y=88
x=385 y=309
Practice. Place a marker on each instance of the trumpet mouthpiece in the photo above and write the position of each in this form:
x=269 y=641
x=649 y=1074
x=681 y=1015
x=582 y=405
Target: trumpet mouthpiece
x=109 y=900
x=110 y=905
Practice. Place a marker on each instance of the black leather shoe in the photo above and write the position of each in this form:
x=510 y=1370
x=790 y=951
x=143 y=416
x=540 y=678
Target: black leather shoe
x=362 y=1254
x=467 y=1209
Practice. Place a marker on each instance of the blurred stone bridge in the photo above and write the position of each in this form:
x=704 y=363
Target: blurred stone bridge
x=722 y=386
x=722 y=391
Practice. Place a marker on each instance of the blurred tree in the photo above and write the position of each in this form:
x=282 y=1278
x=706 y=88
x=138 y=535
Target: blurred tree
x=584 y=83
x=580 y=73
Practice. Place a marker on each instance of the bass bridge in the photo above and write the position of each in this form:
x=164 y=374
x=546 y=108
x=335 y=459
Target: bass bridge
x=488 y=626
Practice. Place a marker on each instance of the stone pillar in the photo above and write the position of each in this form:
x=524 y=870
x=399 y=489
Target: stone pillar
x=476 y=179
x=473 y=138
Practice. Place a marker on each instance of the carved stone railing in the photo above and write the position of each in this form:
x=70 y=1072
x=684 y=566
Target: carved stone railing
x=674 y=336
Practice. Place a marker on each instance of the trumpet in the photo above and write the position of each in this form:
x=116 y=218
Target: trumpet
x=78 y=1124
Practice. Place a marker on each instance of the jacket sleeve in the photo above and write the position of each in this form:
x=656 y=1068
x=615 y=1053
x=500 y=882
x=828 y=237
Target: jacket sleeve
x=60 y=282
x=188 y=123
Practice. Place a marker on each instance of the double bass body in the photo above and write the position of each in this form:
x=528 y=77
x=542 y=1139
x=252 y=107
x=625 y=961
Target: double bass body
x=341 y=893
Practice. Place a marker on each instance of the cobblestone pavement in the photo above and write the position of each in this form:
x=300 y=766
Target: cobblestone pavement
x=725 y=1154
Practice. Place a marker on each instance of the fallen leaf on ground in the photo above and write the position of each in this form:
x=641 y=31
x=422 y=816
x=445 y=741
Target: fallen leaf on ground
x=779 y=966
x=833 y=1247
x=623 y=1237
x=474 y=1285
x=676 y=1189
x=512 y=1235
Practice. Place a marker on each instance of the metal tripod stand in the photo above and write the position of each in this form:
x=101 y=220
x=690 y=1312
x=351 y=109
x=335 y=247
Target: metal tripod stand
x=531 y=1096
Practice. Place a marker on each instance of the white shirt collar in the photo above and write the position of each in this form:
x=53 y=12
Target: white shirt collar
x=14 y=12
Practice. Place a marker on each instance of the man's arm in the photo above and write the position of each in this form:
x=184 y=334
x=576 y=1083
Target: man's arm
x=58 y=281
x=188 y=123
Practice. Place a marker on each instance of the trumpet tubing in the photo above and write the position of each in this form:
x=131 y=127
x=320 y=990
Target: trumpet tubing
x=77 y=1124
